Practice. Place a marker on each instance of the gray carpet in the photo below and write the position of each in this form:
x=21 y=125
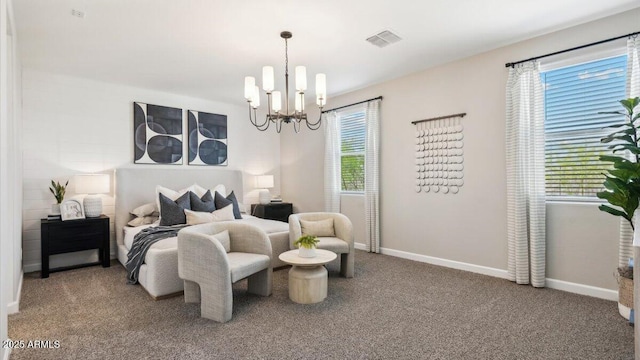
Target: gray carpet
x=391 y=309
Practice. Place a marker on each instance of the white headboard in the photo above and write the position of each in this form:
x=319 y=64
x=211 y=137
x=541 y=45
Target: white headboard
x=137 y=186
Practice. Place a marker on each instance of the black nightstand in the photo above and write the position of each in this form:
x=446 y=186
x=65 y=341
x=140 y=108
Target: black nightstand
x=274 y=211
x=59 y=237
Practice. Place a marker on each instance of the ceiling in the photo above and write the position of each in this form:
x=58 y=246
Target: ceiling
x=205 y=48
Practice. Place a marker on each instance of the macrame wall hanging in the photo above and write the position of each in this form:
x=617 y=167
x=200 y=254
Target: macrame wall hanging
x=439 y=154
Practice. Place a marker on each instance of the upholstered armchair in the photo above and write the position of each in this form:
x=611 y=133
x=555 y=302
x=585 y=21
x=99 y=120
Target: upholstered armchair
x=209 y=262
x=334 y=231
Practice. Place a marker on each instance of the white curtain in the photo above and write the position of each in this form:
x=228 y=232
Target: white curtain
x=332 y=163
x=372 y=176
x=525 y=175
x=625 y=249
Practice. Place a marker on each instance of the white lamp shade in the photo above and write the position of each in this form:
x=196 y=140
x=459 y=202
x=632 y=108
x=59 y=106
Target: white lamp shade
x=92 y=184
x=255 y=98
x=321 y=100
x=267 y=78
x=249 y=83
x=264 y=181
x=321 y=85
x=276 y=99
x=299 y=101
x=301 y=78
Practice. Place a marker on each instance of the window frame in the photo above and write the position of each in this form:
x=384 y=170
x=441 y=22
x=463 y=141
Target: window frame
x=614 y=49
x=344 y=113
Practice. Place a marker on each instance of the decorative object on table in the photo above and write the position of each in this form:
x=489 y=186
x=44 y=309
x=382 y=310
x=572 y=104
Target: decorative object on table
x=92 y=185
x=71 y=210
x=622 y=182
x=207 y=138
x=307 y=246
x=274 y=100
x=157 y=134
x=264 y=183
x=58 y=192
x=439 y=154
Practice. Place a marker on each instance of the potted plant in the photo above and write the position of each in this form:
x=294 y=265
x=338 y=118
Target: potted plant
x=306 y=246
x=622 y=185
x=58 y=192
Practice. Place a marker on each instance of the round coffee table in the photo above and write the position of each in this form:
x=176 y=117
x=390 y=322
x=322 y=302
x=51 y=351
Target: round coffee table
x=308 y=276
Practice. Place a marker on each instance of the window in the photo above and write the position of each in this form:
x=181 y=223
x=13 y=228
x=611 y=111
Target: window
x=352 y=139
x=573 y=128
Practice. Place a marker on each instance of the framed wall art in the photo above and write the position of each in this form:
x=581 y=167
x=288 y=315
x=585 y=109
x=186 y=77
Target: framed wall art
x=71 y=210
x=157 y=134
x=207 y=138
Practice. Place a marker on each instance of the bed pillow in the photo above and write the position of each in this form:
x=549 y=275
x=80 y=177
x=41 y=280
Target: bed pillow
x=203 y=203
x=145 y=210
x=143 y=220
x=202 y=217
x=171 y=194
x=318 y=228
x=200 y=191
x=172 y=211
x=223 y=238
x=222 y=201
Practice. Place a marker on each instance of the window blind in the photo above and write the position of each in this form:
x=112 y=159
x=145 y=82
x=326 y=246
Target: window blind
x=574 y=96
x=352 y=140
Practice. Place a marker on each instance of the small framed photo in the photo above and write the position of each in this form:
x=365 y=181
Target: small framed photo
x=71 y=210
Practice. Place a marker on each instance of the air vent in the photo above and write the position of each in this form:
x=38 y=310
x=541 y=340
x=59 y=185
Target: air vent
x=384 y=38
x=77 y=13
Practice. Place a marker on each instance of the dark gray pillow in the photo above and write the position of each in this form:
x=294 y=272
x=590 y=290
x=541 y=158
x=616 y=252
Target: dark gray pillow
x=205 y=203
x=172 y=212
x=221 y=202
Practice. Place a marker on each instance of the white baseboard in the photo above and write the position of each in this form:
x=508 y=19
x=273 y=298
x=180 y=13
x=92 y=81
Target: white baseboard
x=582 y=289
x=575 y=288
x=14 y=307
x=33 y=267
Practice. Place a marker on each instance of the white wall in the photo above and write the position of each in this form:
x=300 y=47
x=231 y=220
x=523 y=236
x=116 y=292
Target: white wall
x=469 y=227
x=74 y=125
x=10 y=174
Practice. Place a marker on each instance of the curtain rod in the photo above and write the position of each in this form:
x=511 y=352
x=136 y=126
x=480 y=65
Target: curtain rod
x=359 y=102
x=439 y=118
x=511 y=64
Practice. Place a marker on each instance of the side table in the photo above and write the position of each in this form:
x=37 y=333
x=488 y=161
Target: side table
x=274 y=211
x=59 y=237
x=308 y=276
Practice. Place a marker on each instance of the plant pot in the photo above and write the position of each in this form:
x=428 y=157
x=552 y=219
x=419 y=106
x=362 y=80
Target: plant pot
x=625 y=296
x=55 y=209
x=306 y=253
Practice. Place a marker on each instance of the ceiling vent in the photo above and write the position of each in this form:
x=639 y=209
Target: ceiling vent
x=77 y=13
x=384 y=38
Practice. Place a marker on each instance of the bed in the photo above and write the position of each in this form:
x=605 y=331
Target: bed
x=136 y=186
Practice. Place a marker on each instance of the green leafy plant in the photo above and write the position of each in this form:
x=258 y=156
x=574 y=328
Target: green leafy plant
x=58 y=190
x=622 y=182
x=307 y=241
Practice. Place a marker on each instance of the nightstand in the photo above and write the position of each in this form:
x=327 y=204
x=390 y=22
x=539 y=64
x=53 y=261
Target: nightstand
x=274 y=211
x=59 y=237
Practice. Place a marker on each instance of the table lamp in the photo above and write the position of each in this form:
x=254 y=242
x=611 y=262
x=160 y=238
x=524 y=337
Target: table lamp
x=264 y=182
x=92 y=185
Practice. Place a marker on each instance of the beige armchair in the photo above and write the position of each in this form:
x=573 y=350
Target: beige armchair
x=209 y=264
x=340 y=243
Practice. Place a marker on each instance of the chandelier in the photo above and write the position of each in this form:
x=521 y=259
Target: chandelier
x=275 y=112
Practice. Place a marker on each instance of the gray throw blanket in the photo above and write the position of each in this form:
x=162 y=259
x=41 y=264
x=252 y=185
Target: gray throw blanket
x=141 y=244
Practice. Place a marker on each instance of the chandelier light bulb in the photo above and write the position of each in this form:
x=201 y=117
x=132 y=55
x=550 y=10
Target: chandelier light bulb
x=249 y=83
x=255 y=99
x=299 y=101
x=321 y=100
x=321 y=85
x=276 y=101
x=267 y=79
x=301 y=78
